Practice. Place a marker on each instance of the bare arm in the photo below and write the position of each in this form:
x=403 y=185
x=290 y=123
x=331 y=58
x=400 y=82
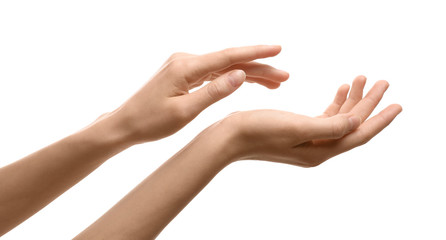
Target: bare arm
x=159 y=109
x=28 y=185
x=149 y=207
x=263 y=134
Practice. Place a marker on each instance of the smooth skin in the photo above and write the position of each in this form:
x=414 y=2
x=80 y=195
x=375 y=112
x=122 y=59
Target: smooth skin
x=160 y=108
x=269 y=135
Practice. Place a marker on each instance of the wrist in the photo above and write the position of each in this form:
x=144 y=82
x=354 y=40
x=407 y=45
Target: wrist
x=108 y=131
x=243 y=140
x=223 y=137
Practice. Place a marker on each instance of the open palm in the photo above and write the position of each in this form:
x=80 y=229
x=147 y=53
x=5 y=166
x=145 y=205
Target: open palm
x=308 y=141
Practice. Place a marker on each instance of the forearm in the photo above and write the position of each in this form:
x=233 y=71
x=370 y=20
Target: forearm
x=148 y=208
x=29 y=184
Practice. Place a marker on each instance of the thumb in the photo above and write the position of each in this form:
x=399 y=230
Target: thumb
x=217 y=89
x=333 y=127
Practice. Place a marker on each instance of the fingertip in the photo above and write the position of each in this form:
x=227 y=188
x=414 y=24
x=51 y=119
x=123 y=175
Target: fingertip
x=397 y=108
x=341 y=94
x=273 y=85
x=362 y=76
x=359 y=82
x=277 y=47
x=391 y=112
x=385 y=83
x=279 y=76
x=285 y=75
x=344 y=88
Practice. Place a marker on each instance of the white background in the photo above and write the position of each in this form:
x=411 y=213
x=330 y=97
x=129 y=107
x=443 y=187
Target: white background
x=63 y=63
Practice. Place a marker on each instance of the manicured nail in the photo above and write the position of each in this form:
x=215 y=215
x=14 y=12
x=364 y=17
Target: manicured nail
x=236 y=77
x=354 y=121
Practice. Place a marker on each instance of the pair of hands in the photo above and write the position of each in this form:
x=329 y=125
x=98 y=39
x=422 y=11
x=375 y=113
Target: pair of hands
x=164 y=105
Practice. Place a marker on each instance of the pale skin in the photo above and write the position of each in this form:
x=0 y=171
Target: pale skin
x=269 y=135
x=162 y=107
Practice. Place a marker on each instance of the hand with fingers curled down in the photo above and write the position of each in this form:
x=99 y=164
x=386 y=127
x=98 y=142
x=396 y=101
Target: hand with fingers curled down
x=164 y=105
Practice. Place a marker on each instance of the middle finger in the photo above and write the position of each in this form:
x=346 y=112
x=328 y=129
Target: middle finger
x=355 y=94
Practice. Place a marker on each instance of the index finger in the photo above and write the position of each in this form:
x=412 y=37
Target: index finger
x=216 y=61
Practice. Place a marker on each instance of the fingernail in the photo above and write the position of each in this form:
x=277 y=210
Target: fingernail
x=354 y=122
x=236 y=77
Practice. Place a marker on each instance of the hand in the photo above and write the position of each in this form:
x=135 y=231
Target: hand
x=264 y=135
x=306 y=141
x=164 y=105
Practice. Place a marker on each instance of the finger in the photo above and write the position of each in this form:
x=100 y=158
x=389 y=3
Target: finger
x=214 y=62
x=366 y=106
x=259 y=70
x=355 y=94
x=265 y=82
x=329 y=128
x=369 y=129
x=215 y=90
x=338 y=101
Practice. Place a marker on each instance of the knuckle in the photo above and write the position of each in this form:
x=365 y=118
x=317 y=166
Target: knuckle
x=227 y=50
x=337 y=129
x=228 y=54
x=178 y=64
x=371 y=100
x=185 y=68
x=214 y=91
x=176 y=55
x=355 y=98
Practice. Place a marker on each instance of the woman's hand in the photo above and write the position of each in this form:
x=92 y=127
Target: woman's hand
x=264 y=134
x=164 y=105
x=306 y=141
